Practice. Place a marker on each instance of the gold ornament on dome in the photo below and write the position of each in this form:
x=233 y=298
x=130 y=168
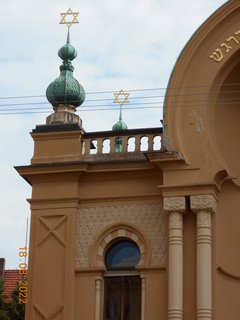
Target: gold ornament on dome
x=121 y=97
x=67 y=16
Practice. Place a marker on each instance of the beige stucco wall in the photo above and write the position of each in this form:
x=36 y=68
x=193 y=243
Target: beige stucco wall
x=78 y=208
x=202 y=122
x=227 y=253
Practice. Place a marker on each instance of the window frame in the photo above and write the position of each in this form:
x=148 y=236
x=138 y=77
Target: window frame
x=121 y=272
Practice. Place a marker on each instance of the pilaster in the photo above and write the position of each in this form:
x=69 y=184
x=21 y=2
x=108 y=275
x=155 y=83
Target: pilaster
x=175 y=207
x=143 y=296
x=98 y=283
x=204 y=206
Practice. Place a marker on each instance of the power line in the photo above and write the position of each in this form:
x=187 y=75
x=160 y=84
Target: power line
x=220 y=85
x=47 y=110
x=196 y=102
x=155 y=101
x=224 y=99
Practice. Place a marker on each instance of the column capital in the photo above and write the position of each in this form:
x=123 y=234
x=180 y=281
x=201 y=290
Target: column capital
x=203 y=203
x=174 y=204
x=98 y=278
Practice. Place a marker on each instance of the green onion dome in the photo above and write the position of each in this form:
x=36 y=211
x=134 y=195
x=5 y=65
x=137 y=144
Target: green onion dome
x=66 y=89
x=67 y=52
x=120 y=125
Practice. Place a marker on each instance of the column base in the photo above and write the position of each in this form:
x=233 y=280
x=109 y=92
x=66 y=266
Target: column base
x=204 y=314
x=175 y=314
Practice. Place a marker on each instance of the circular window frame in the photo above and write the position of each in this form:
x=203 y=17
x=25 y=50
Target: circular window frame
x=115 y=233
x=111 y=246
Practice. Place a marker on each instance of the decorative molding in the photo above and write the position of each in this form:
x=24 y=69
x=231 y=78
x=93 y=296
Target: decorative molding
x=44 y=316
x=203 y=203
x=149 y=219
x=51 y=226
x=175 y=314
x=204 y=313
x=174 y=204
x=114 y=231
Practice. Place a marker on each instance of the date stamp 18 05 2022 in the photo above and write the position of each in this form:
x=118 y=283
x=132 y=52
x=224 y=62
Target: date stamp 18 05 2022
x=22 y=283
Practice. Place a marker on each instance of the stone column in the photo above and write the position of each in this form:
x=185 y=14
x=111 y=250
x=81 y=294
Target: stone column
x=204 y=206
x=175 y=207
x=143 y=297
x=98 y=281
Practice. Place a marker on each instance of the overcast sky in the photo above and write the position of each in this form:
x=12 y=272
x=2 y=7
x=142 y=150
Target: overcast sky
x=128 y=45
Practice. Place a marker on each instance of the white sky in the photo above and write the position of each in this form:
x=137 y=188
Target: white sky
x=121 y=44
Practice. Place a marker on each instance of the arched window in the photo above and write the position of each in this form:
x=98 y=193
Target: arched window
x=123 y=255
x=122 y=299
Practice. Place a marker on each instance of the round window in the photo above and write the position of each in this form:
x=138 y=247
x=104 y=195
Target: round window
x=122 y=255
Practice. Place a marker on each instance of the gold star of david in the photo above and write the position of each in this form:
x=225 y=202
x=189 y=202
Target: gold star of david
x=121 y=97
x=66 y=15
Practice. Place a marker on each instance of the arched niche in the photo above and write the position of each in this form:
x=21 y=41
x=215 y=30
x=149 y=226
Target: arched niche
x=225 y=116
x=194 y=120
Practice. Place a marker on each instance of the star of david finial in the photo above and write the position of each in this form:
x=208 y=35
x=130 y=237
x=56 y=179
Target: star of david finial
x=66 y=18
x=121 y=97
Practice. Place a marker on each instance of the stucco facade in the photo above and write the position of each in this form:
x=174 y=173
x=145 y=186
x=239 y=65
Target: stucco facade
x=179 y=204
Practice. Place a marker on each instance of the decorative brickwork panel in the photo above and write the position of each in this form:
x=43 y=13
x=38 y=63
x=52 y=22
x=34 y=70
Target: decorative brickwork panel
x=148 y=218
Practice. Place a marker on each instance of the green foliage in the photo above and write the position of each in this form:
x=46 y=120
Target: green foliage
x=13 y=310
x=16 y=310
x=3 y=304
x=4 y=315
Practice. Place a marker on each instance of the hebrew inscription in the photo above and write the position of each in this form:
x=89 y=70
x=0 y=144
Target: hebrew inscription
x=151 y=219
x=225 y=47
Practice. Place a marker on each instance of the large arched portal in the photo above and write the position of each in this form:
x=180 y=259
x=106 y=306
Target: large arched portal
x=202 y=116
x=226 y=118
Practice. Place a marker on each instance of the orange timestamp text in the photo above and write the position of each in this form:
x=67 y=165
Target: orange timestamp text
x=22 y=283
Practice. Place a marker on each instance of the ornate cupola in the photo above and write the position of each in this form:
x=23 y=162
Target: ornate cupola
x=65 y=93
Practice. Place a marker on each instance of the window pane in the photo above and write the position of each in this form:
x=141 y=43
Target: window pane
x=122 y=298
x=122 y=255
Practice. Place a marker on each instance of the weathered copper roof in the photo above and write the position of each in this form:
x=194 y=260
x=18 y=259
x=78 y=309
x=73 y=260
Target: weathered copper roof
x=66 y=89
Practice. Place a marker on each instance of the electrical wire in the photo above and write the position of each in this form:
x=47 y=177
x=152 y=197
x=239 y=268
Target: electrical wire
x=196 y=99
x=231 y=100
x=48 y=110
x=135 y=90
x=130 y=103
